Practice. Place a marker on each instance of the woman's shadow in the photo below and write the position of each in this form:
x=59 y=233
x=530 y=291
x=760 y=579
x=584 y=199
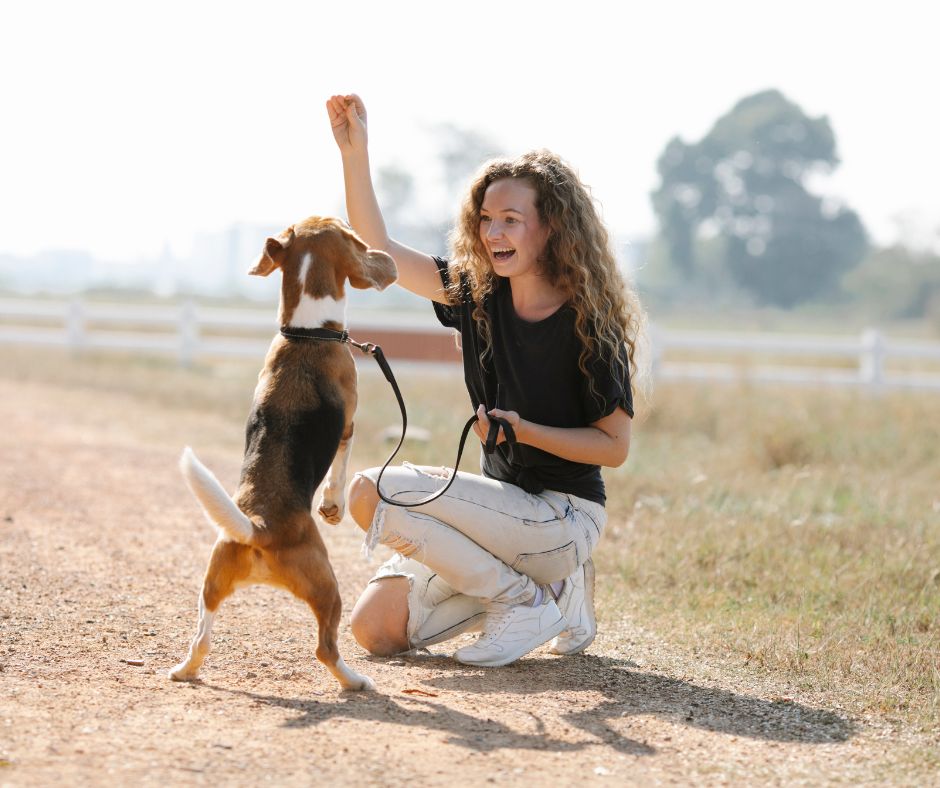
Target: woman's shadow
x=626 y=692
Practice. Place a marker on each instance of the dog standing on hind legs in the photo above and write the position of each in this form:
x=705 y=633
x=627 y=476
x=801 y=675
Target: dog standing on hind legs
x=300 y=428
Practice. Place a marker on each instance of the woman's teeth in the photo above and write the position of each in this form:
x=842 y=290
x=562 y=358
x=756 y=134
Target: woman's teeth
x=503 y=254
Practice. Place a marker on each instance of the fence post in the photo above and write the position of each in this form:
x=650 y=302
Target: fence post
x=189 y=333
x=75 y=325
x=872 y=360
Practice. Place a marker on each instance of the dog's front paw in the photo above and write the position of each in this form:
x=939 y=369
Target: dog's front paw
x=331 y=509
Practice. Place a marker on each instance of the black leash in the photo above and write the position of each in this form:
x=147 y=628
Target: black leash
x=371 y=349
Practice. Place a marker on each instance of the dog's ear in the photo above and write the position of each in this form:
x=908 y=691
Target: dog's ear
x=375 y=269
x=275 y=250
x=370 y=267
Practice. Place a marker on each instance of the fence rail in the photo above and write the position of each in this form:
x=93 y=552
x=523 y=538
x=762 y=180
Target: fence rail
x=190 y=331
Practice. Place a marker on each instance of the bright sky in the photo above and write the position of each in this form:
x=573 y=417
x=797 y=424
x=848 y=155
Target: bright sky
x=130 y=125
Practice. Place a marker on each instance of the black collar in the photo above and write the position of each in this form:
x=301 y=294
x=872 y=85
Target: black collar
x=323 y=334
x=332 y=335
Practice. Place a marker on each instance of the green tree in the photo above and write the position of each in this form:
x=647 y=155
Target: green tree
x=896 y=282
x=746 y=183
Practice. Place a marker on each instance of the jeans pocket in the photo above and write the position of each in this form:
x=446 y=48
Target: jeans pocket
x=559 y=503
x=590 y=520
x=550 y=565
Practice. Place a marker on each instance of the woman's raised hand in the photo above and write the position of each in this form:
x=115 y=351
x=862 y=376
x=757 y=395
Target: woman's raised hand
x=348 y=119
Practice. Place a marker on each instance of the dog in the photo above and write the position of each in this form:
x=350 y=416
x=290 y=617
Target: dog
x=300 y=429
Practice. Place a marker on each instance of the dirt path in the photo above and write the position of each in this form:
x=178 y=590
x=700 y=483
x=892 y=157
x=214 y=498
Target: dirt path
x=101 y=556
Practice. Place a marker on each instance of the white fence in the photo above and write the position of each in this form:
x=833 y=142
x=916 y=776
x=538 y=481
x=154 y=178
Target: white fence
x=186 y=331
x=870 y=359
x=189 y=331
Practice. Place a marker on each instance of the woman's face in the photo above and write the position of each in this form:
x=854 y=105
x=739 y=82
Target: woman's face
x=510 y=228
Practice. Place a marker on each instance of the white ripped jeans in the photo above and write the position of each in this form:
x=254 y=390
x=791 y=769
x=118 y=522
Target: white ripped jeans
x=484 y=539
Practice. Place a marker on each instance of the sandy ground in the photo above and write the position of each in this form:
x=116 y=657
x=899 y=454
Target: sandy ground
x=101 y=556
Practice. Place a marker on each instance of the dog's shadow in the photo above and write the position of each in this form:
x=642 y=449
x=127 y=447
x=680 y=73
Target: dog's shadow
x=626 y=692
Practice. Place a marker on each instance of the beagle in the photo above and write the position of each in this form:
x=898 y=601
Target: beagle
x=300 y=428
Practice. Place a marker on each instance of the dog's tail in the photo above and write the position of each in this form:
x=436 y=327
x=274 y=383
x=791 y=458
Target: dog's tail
x=219 y=507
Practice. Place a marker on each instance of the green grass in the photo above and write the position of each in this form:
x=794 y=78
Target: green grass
x=792 y=531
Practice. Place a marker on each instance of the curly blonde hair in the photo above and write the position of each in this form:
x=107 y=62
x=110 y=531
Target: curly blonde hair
x=577 y=259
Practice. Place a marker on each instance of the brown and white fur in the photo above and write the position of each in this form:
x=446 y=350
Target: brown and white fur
x=300 y=429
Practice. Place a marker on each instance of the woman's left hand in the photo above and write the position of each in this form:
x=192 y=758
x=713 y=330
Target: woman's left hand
x=482 y=425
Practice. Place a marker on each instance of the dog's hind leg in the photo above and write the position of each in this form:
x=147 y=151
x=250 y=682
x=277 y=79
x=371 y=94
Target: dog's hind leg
x=188 y=669
x=229 y=564
x=312 y=580
x=333 y=501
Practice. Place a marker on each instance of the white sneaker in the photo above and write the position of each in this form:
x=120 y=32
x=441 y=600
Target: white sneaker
x=577 y=605
x=511 y=631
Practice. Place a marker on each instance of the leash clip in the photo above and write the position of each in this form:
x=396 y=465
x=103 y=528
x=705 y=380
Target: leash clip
x=368 y=348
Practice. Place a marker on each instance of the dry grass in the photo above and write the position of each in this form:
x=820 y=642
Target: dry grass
x=793 y=531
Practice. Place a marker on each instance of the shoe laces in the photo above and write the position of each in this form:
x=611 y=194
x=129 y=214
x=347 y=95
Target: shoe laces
x=496 y=619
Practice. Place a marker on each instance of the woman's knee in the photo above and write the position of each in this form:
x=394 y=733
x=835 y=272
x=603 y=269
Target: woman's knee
x=362 y=500
x=379 y=620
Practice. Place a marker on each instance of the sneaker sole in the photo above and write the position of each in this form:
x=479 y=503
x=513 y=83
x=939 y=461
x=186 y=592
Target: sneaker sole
x=551 y=632
x=589 y=595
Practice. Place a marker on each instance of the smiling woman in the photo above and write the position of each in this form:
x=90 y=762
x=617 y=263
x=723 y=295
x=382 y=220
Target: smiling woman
x=548 y=330
x=511 y=230
x=544 y=207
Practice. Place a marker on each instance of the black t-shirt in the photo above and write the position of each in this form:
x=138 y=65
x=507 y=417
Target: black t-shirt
x=534 y=371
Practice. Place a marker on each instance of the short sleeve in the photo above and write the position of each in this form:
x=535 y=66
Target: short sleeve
x=611 y=387
x=448 y=314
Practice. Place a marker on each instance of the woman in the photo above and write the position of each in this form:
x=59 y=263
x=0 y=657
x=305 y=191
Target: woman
x=548 y=332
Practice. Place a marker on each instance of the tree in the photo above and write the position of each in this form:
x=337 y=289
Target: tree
x=462 y=151
x=897 y=282
x=746 y=183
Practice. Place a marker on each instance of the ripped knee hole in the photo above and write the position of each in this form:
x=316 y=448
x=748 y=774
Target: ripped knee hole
x=399 y=544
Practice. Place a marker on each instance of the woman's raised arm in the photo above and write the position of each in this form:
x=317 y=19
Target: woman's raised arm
x=417 y=271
